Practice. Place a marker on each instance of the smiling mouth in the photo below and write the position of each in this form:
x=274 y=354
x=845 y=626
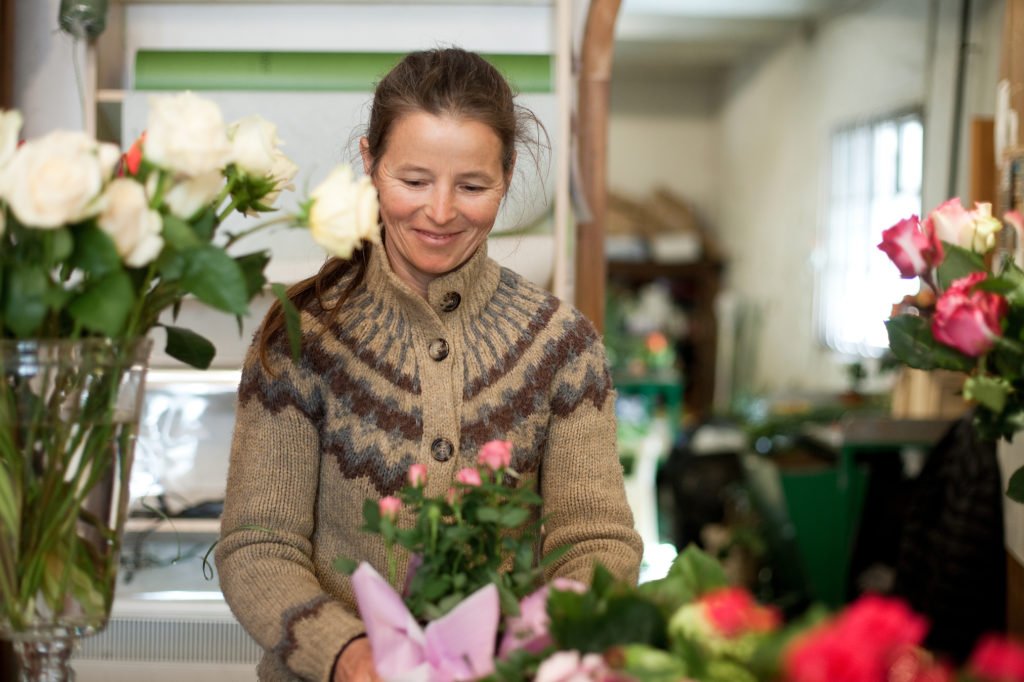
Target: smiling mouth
x=435 y=238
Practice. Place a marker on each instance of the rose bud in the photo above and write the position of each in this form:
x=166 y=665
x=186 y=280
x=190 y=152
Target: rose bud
x=495 y=455
x=968 y=319
x=389 y=507
x=914 y=251
x=417 y=475
x=468 y=476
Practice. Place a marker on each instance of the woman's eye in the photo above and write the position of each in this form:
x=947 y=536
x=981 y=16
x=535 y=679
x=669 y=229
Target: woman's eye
x=472 y=188
x=413 y=183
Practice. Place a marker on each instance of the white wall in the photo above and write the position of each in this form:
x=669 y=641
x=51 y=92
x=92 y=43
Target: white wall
x=775 y=123
x=664 y=131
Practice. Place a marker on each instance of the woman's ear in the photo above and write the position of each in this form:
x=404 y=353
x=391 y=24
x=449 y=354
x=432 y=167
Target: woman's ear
x=364 y=151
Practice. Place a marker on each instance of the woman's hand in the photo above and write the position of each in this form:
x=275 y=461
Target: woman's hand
x=356 y=663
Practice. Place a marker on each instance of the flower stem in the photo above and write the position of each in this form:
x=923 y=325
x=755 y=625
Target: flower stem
x=238 y=236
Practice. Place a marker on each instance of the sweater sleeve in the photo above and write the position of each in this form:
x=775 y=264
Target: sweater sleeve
x=264 y=557
x=582 y=486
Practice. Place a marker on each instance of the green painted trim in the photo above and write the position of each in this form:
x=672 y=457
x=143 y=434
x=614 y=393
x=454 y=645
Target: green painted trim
x=303 y=71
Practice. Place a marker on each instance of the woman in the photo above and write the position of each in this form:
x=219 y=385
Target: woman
x=418 y=350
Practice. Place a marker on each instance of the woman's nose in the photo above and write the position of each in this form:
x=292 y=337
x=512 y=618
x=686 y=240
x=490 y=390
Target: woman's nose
x=441 y=207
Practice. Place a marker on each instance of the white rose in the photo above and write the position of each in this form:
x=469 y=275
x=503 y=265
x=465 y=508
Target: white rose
x=187 y=197
x=10 y=126
x=985 y=227
x=344 y=212
x=131 y=223
x=57 y=179
x=283 y=171
x=254 y=142
x=186 y=134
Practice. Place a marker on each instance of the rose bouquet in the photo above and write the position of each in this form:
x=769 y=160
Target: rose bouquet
x=969 y=315
x=95 y=247
x=471 y=609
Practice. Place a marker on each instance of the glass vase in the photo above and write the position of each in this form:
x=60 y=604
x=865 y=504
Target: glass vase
x=69 y=414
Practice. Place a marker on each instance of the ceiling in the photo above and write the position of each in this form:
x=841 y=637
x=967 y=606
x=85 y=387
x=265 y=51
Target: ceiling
x=708 y=35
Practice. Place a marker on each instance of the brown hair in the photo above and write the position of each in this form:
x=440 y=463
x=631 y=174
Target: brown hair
x=444 y=82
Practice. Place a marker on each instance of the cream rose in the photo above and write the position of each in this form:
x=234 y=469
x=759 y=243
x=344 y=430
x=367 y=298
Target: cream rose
x=134 y=227
x=985 y=228
x=283 y=171
x=186 y=135
x=254 y=142
x=344 y=212
x=57 y=179
x=187 y=197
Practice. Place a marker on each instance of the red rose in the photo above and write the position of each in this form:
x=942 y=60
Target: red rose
x=998 y=659
x=733 y=612
x=914 y=250
x=860 y=645
x=969 y=320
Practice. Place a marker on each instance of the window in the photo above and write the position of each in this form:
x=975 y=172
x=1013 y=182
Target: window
x=875 y=181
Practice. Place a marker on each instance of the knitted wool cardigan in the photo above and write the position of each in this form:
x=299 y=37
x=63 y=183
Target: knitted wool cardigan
x=397 y=379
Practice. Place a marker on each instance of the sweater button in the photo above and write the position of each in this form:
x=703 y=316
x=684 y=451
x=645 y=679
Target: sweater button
x=442 y=449
x=438 y=349
x=450 y=301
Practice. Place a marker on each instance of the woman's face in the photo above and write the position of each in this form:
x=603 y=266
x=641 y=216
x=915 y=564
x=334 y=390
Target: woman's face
x=440 y=183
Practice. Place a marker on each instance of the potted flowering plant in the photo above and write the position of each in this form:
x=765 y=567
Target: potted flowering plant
x=969 y=316
x=94 y=247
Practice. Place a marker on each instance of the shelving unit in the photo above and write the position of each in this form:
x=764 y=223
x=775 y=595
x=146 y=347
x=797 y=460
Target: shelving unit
x=694 y=287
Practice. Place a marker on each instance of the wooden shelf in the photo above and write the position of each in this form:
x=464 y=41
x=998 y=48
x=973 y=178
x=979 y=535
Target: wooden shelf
x=694 y=287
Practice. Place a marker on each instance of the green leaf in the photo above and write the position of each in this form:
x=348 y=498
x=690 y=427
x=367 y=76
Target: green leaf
x=25 y=299
x=171 y=265
x=292 y=321
x=911 y=341
x=60 y=245
x=179 y=234
x=189 y=347
x=253 y=265
x=94 y=251
x=371 y=516
x=215 y=279
x=958 y=263
x=513 y=517
x=989 y=391
x=205 y=225
x=105 y=304
x=1015 y=486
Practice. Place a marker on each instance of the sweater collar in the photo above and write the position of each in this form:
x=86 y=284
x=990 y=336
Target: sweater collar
x=475 y=283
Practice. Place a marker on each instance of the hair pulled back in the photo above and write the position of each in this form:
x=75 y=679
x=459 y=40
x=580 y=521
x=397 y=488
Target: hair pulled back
x=448 y=82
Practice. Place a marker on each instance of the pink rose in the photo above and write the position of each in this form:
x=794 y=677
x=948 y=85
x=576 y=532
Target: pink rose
x=967 y=320
x=389 y=507
x=998 y=658
x=570 y=666
x=975 y=229
x=915 y=252
x=451 y=497
x=417 y=475
x=468 y=476
x=495 y=455
x=529 y=630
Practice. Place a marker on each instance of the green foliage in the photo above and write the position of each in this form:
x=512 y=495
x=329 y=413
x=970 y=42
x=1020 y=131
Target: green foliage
x=959 y=262
x=607 y=615
x=911 y=340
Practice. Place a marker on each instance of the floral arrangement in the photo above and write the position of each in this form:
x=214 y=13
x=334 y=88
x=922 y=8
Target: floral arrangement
x=969 y=315
x=95 y=246
x=99 y=244
x=459 y=617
